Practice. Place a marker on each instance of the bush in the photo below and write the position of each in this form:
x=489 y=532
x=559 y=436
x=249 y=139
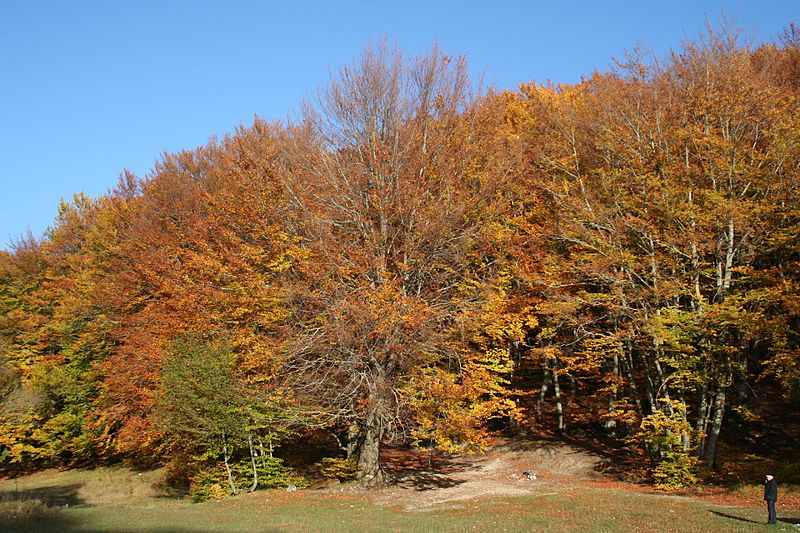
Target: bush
x=677 y=469
x=662 y=434
x=272 y=473
x=341 y=469
x=211 y=484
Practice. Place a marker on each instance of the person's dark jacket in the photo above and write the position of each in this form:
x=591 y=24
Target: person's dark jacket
x=771 y=490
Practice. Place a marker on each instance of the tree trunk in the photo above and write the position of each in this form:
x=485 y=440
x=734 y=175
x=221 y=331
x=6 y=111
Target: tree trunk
x=557 y=392
x=254 y=486
x=611 y=422
x=726 y=282
x=628 y=366
x=226 y=456
x=663 y=391
x=543 y=391
x=719 y=412
x=685 y=440
x=702 y=419
x=353 y=440
x=650 y=388
x=716 y=426
x=370 y=471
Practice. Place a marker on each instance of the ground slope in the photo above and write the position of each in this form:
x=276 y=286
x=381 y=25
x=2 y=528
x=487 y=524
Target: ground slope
x=533 y=486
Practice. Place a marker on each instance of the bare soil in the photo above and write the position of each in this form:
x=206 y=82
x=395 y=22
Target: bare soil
x=422 y=481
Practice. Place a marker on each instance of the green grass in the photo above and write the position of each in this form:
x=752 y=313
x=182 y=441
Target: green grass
x=121 y=500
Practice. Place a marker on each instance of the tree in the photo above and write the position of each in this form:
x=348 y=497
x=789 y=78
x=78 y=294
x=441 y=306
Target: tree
x=396 y=197
x=202 y=245
x=199 y=400
x=56 y=338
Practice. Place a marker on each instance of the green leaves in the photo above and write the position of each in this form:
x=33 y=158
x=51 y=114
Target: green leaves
x=198 y=397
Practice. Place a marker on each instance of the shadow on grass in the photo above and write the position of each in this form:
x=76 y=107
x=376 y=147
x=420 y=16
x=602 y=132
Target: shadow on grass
x=49 y=509
x=734 y=517
x=789 y=520
x=51 y=520
x=55 y=496
x=39 y=509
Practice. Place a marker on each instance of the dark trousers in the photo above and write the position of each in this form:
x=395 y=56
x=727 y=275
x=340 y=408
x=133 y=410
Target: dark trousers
x=773 y=518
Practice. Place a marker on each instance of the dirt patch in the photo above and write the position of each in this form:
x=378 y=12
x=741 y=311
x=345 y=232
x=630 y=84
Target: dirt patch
x=422 y=482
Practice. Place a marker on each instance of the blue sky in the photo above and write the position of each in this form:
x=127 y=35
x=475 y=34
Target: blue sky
x=88 y=89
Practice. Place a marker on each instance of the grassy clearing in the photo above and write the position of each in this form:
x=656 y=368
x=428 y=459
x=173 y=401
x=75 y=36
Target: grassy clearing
x=122 y=500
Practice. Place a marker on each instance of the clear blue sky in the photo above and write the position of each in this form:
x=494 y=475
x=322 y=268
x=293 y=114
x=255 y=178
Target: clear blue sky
x=90 y=88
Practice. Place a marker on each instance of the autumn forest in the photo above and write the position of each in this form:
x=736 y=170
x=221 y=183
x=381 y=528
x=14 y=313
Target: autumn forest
x=414 y=261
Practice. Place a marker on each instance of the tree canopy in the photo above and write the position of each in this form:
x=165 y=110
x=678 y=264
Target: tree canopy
x=419 y=261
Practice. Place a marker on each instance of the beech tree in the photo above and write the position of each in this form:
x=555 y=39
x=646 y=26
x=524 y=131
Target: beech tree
x=201 y=245
x=387 y=172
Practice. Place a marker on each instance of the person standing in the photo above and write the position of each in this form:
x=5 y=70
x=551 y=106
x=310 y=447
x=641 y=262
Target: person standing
x=771 y=496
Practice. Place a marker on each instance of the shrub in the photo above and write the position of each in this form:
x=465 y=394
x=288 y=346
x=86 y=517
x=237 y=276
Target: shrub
x=662 y=434
x=677 y=469
x=211 y=484
x=341 y=469
x=272 y=473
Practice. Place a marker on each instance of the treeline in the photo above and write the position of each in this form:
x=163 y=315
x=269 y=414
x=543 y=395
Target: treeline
x=414 y=261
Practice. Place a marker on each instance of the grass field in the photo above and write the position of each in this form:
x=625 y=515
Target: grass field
x=117 y=499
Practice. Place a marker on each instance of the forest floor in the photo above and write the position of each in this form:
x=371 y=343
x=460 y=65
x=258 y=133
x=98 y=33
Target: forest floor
x=517 y=486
